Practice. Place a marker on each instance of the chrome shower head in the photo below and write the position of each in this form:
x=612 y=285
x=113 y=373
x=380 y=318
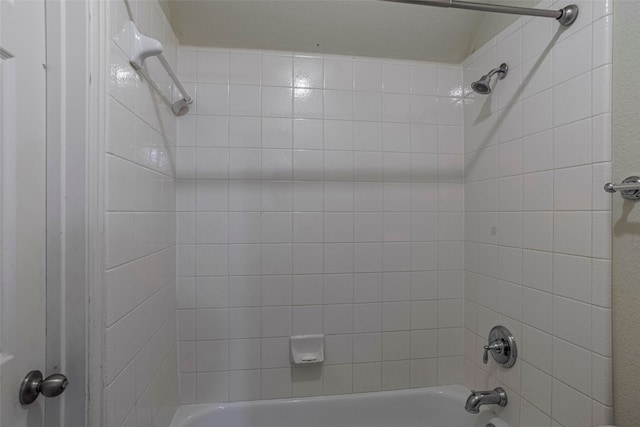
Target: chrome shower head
x=483 y=86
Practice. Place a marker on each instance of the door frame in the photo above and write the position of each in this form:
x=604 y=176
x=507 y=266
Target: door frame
x=97 y=66
x=74 y=207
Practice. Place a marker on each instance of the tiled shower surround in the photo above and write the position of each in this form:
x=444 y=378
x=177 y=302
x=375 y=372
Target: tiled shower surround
x=139 y=298
x=318 y=195
x=537 y=221
x=384 y=204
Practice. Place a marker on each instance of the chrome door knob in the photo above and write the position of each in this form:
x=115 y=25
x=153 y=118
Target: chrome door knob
x=53 y=385
x=33 y=385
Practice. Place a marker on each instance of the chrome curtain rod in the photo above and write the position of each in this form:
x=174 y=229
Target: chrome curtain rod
x=565 y=16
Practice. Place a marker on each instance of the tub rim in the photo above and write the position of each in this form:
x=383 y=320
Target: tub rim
x=185 y=413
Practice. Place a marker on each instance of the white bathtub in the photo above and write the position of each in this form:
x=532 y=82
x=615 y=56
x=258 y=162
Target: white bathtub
x=425 y=407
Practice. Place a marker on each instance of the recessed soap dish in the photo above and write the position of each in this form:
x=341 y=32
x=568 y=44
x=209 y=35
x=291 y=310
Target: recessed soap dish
x=306 y=349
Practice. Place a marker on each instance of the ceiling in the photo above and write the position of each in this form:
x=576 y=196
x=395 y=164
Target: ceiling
x=347 y=27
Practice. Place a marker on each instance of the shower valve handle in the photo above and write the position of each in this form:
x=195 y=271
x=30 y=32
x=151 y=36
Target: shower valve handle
x=502 y=346
x=497 y=347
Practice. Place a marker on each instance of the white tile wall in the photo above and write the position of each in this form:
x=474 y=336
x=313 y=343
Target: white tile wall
x=339 y=195
x=537 y=235
x=318 y=195
x=140 y=357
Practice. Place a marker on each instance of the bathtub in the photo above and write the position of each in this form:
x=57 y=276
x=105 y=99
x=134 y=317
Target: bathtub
x=425 y=407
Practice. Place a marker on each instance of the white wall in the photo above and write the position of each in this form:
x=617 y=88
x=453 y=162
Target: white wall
x=140 y=358
x=537 y=223
x=318 y=195
x=626 y=316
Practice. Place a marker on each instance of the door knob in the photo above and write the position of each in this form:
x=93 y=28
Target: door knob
x=33 y=385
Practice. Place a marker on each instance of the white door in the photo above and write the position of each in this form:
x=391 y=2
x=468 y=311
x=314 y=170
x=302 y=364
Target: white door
x=23 y=205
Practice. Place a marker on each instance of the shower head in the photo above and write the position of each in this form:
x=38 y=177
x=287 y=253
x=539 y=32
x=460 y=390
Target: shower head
x=483 y=86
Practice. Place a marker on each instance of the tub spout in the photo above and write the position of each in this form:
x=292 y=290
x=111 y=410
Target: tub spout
x=497 y=396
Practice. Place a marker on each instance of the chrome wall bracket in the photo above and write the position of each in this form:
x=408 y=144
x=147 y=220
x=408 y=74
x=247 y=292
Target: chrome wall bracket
x=569 y=15
x=502 y=345
x=629 y=189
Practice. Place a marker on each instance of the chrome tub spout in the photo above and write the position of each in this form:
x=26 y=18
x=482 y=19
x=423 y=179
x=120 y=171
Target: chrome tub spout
x=497 y=396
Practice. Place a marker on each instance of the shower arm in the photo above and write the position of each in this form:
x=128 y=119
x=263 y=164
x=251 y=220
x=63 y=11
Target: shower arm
x=496 y=70
x=565 y=16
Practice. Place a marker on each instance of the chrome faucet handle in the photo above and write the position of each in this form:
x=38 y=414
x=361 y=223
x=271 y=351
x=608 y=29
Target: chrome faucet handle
x=496 y=347
x=502 y=346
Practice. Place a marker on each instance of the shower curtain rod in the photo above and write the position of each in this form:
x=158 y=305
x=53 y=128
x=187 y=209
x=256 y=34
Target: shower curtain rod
x=565 y=16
